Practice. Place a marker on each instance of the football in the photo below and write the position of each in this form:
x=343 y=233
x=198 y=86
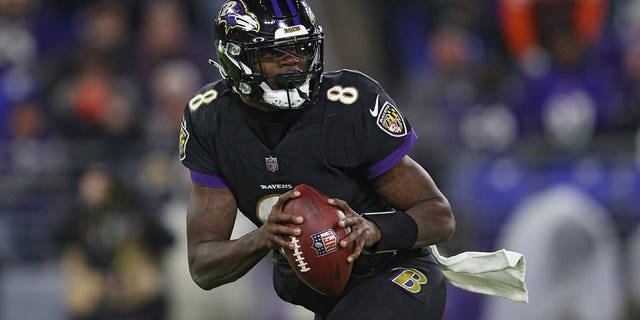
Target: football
x=317 y=258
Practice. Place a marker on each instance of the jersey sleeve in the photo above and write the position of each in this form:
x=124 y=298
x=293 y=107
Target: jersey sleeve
x=371 y=134
x=197 y=148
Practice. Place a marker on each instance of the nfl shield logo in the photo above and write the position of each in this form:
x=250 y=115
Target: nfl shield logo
x=271 y=163
x=325 y=242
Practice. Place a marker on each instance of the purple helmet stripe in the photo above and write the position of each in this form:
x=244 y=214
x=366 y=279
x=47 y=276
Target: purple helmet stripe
x=294 y=12
x=276 y=8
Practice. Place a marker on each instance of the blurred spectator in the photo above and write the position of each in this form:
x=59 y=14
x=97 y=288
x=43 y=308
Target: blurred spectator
x=634 y=274
x=105 y=31
x=111 y=251
x=32 y=177
x=628 y=28
x=525 y=23
x=490 y=126
x=33 y=188
x=170 y=85
x=158 y=179
x=165 y=34
x=363 y=34
x=91 y=93
x=440 y=95
x=413 y=21
x=99 y=111
x=573 y=259
x=18 y=54
x=637 y=149
x=574 y=98
x=100 y=34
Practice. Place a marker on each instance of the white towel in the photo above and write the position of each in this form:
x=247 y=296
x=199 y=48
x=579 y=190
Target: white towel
x=499 y=273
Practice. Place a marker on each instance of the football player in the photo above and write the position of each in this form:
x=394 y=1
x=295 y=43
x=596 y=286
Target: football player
x=275 y=121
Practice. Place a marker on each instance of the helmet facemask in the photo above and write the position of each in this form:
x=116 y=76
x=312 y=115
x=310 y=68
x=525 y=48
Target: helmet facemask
x=242 y=65
x=253 y=35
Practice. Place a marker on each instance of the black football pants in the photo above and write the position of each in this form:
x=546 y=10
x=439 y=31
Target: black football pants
x=409 y=286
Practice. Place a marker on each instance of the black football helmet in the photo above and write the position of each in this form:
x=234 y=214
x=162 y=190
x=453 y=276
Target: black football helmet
x=249 y=31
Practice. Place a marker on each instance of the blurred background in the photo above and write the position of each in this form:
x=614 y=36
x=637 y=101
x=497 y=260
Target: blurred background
x=528 y=113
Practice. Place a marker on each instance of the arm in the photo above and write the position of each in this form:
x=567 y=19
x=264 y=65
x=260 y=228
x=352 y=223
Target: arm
x=408 y=187
x=214 y=259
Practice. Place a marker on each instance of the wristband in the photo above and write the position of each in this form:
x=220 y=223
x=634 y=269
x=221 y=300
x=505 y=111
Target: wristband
x=398 y=231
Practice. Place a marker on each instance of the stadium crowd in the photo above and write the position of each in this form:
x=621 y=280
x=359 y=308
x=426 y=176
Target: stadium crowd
x=528 y=113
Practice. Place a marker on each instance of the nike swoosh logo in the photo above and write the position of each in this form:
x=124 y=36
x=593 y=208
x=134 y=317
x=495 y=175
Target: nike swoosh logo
x=375 y=110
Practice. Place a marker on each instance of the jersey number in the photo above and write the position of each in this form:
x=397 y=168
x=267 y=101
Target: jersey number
x=346 y=95
x=201 y=98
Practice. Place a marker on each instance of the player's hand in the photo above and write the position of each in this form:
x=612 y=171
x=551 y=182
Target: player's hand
x=275 y=232
x=364 y=233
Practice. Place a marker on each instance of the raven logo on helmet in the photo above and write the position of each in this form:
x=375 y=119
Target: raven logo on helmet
x=234 y=14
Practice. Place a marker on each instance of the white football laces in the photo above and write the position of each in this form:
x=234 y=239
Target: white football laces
x=298 y=255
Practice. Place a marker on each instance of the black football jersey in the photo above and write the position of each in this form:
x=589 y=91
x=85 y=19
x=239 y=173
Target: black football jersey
x=352 y=134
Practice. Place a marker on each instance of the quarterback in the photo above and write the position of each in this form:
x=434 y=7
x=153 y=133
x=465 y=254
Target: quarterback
x=276 y=120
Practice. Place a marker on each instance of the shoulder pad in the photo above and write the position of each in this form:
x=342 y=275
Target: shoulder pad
x=352 y=77
x=350 y=88
x=208 y=95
